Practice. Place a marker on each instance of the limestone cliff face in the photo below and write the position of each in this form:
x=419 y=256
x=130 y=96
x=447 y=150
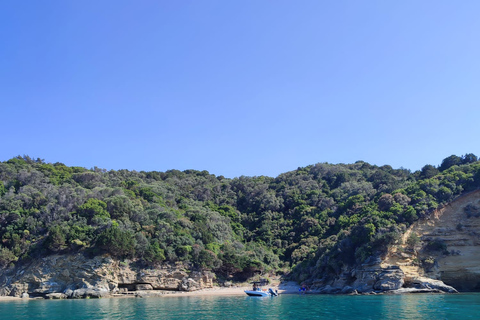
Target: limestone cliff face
x=77 y=276
x=439 y=253
x=446 y=246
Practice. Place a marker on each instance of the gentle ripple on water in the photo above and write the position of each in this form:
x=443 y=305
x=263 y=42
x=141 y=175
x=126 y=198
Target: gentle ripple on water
x=413 y=306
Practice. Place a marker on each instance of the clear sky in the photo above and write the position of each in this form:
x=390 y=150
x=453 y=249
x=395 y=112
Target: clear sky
x=239 y=87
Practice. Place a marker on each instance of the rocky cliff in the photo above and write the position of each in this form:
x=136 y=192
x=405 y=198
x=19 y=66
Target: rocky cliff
x=76 y=276
x=377 y=277
x=438 y=254
x=445 y=247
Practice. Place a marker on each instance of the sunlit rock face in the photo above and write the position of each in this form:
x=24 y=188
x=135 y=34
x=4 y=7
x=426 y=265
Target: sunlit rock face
x=78 y=276
x=446 y=246
x=440 y=253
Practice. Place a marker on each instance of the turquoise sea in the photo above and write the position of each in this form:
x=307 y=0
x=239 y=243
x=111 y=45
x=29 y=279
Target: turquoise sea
x=413 y=306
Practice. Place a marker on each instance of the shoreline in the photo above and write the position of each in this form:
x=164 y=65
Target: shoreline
x=229 y=291
x=215 y=291
x=288 y=288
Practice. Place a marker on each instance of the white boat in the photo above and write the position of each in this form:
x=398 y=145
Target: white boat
x=258 y=291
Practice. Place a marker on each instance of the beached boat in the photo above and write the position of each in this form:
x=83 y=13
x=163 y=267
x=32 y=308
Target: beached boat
x=258 y=291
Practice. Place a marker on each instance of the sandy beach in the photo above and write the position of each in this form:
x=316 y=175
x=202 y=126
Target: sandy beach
x=284 y=288
x=8 y=298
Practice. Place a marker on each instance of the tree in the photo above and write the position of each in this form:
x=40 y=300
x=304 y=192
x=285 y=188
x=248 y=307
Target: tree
x=444 y=193
x=469 y=158
x=385 y=202
x=56 y=239
x=451 y=161
x=428 y=171
x=410 y=215
x=119 y=243
x=208 y=260
x=93 y=208
x=2 y=189
x=154 y=254
x=6 y=257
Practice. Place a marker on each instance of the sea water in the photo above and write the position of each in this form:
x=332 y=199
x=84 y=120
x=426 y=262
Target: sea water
x=411 y=306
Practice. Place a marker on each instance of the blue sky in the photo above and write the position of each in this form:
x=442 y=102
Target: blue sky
x=239 y=87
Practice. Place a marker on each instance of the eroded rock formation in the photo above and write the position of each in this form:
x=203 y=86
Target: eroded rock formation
x=444 y=247
x=75 y=276
x=437 y=254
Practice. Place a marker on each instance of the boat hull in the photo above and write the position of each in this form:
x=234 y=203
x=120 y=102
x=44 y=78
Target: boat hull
x=252 y=293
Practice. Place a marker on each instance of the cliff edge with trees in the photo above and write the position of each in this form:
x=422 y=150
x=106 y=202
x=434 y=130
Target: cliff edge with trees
x=311 y=225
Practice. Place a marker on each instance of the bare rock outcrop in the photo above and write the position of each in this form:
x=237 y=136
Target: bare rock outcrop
x=364 y=279
x=427 y=283
x=76 y=276
x=444 y=247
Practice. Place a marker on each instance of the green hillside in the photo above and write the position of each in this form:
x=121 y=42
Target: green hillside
x=304 y=223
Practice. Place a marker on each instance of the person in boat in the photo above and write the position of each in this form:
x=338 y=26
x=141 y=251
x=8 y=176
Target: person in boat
x=255 y=287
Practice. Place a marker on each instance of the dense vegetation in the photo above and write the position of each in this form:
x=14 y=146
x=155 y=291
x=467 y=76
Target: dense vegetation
x=313 y=220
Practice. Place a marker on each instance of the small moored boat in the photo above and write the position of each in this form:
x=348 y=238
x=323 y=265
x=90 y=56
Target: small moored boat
x=258 y=291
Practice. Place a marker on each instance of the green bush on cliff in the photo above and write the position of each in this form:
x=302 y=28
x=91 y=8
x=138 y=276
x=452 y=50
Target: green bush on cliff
x=119 y=243
x=6 y=257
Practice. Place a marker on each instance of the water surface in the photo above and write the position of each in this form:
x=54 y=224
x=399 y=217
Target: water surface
x=413 y=306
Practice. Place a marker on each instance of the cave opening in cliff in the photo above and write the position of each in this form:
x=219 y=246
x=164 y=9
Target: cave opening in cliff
x=128 y=286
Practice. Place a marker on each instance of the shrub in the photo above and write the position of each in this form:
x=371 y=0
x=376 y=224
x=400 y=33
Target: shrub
x=119 y=243
x=436 y=245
